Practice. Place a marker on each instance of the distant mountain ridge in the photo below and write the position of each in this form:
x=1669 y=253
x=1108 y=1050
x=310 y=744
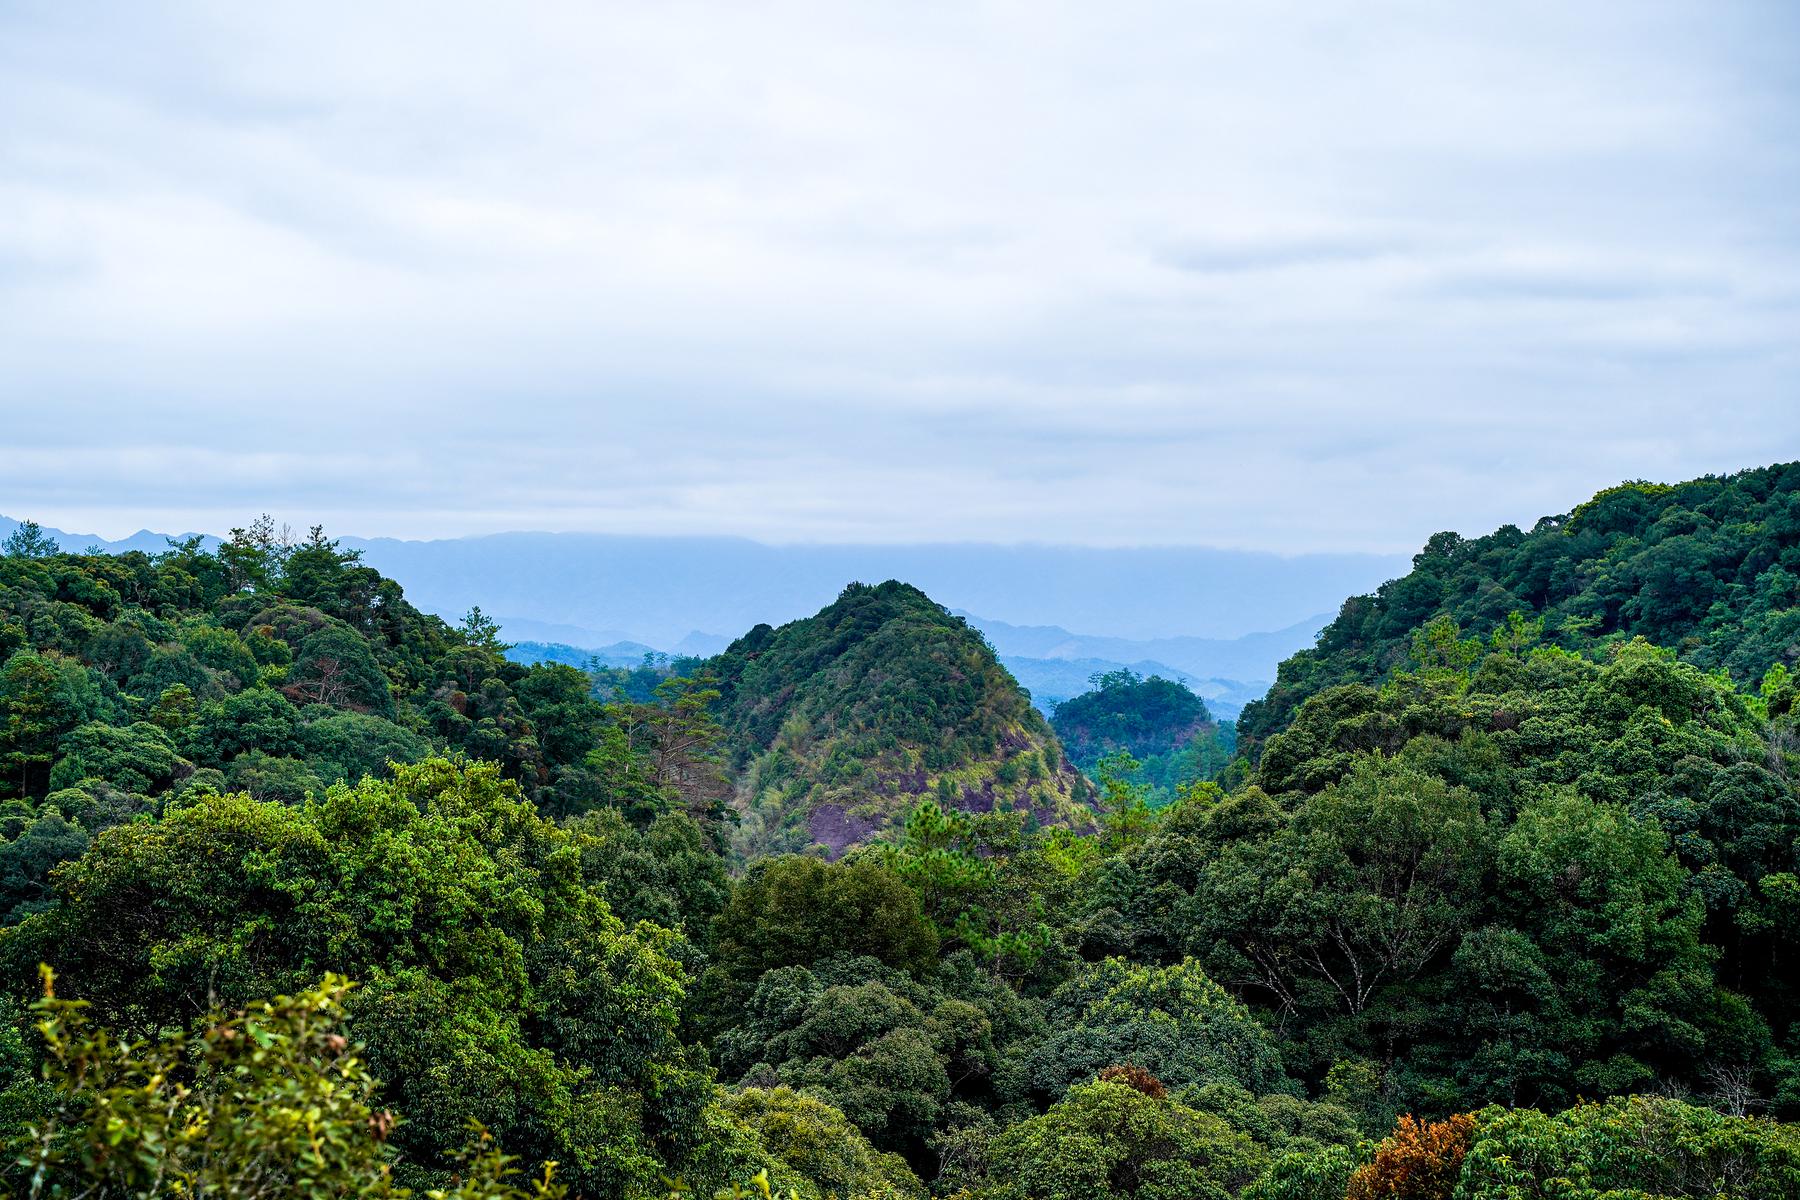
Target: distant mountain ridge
x=657 y=590
x=619 y=654
x=1061 y=664
x=145 y=540
x=660 y=590
x=1251 y=657
x=1054 y=664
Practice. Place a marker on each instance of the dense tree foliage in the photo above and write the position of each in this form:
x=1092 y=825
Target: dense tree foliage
x=273 y=668
x=1643 y=1146
x=1502 y=901
x=1152 y=733
x=818 y=1154
x=270 y=1101
x=1112 y=1139
x=1125 y=711
x=1530 y=879
x=842 y=720
x=497 y=985
x=1709 y=568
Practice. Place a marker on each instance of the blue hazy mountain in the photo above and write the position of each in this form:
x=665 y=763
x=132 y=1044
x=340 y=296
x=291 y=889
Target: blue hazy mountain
x=1055 y=665
x=523 y=629
x=1050 y=681
x=660 y=591
x=143 y=539
x=1250 y=658
x=619 y=654
x=1053 y=680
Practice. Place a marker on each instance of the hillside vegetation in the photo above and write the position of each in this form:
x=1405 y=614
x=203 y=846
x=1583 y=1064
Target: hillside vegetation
x=840 y=722
x=1709 y=568
x=1504 y=904
x=1153 y=733
x=132 y=682
x=1124 y=711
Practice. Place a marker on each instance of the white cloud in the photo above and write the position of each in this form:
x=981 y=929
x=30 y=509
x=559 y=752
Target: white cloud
x=1288 y=276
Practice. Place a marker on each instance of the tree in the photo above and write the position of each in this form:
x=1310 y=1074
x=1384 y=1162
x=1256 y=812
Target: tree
x=814 y=1142
x=223 y=651
x=175 y=708
x=479 y=629
x=317 y=572
x=1110 y=1141
x=1126 y=816
x=1598 y=892
x=794 y=911
x=658 y=757
x=42 y=697
x=335 y=666
x=944 y=859
x=27 y=858
x=1366 y=887
x=253 y=557
x=863 y=1046
x=684 y=746
x=1420 y=1160
x=270 y=1101
x=275 y=779
x=500 y=988
x=668 y=874
x=1173 y=1021
x=259 y=719
x=29 y=541
x=138 y=758
x=1641 y=1146
x=349 y=745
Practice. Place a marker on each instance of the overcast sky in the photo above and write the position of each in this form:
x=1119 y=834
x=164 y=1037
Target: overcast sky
x=1286 y=276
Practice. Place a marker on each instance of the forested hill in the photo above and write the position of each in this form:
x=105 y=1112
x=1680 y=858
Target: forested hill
x=1709 y=568
x=129 y=682
x=1543 y=897
x=1124 y=711
x=842 y=721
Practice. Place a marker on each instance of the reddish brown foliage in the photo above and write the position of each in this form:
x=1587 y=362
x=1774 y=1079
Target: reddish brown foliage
x=1419 y=1161
x=1135 y=1077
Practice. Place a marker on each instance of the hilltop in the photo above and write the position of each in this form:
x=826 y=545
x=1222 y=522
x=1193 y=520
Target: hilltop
x=1709 y=568
x=842 y=721
x=1128 y=712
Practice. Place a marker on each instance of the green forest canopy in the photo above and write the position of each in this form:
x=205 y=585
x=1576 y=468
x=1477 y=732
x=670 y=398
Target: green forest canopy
x=1501 y=898
x=1709 y=568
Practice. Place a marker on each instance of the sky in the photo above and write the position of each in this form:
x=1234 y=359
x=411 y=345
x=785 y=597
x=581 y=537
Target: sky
x=1282 y=276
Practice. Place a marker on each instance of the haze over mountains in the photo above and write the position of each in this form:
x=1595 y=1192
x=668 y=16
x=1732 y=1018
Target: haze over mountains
x=1220 y=620
x=658 y=590
x=1053 y=664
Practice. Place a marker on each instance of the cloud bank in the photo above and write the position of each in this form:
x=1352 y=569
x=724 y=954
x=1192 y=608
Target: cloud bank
x=1292 y=277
